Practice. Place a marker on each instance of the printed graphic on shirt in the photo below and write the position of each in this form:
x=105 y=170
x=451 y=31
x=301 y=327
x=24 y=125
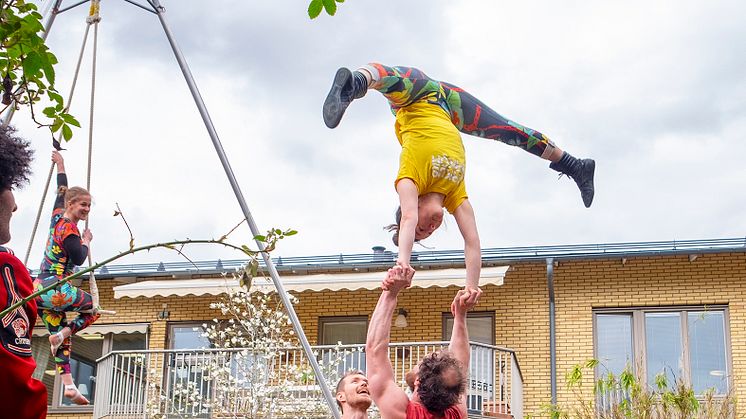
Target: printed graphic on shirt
x=447 y=168
x=14 y=326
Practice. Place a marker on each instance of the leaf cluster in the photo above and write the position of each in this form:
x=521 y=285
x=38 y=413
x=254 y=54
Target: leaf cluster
x=27 y=67
x=316 y=6
x=626 y=396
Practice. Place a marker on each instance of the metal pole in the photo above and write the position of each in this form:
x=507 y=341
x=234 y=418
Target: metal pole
x=247 y=214
x=47 y=27
x=552 y=331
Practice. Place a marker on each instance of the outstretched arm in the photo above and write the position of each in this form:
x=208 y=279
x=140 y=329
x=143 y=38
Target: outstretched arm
x=467 y=224
x=388 y=396
x=61 y=178
x=459 y=344
x=408 y=198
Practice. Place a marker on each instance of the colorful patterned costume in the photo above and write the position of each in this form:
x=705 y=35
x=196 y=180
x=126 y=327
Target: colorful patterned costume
x=27 y=396
x=403 y=86
x=56 y=265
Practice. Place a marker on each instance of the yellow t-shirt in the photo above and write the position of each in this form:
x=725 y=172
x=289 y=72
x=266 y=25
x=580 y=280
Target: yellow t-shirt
x=432 y=153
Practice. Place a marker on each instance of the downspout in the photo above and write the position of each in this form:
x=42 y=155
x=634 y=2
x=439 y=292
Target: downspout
x=552 y=332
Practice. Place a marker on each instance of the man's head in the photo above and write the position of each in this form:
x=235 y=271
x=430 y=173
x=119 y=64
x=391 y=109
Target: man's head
x=352 y=392
x=15 y=158
x=439 y=381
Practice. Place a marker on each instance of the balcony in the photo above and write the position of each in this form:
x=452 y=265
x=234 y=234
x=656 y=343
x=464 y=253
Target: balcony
x=220 y=383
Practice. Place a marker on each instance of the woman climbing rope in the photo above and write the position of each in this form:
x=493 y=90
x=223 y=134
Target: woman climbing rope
x=66 y=248
x=429 y=116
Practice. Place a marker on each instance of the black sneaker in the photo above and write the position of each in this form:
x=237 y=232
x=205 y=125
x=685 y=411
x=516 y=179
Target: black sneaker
x=584 y=180
x=581 y=171
x=339 y=98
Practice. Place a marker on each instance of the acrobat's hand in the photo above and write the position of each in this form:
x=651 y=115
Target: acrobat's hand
x=465 y=300
x=395 y=280
x=407 y=269
x=57 y=158
x=87 y=237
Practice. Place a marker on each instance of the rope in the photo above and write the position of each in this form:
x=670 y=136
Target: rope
x=93 y=18
x=51 y=169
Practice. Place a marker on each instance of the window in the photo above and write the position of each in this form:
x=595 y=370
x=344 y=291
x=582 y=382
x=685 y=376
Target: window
x=690 y=344
x=347 y=331
x=87 y=347
x=481 y=327
x=187 y=368
x=188 y=336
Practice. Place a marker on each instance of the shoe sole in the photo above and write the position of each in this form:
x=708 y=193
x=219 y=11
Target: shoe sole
x=333 y=109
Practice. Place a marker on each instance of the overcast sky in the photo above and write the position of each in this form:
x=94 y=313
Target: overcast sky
x=654 y=91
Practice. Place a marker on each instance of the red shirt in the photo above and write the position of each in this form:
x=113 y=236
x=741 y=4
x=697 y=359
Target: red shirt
x=25 y=397
x=418 y=411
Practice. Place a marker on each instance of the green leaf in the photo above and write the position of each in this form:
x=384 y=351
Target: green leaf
x=340 y=1
x=260 y=237
x=49 y=112
x=32 y=65
x=330 y=6
x=54 y=96
x=56 y=125
x=70 y=119
x=67 y=132
x=314 y=9
x=291 y=233
x=46 y=66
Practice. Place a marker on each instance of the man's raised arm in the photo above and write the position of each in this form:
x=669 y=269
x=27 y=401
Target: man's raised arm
x=387 y=395
x=459 y=345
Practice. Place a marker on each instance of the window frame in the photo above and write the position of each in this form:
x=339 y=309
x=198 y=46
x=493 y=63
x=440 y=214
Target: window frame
x=639 y=340
x=170 y=326
x=469 y=315
x=57 y=406
x=323 y=320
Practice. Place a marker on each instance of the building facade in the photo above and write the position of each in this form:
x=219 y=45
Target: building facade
x=672 y=307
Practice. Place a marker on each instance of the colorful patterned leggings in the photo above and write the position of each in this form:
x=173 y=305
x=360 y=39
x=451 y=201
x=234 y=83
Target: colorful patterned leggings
x=52 y=307
x=403 y=86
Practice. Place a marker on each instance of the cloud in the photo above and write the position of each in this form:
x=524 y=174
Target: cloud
x=654 y=92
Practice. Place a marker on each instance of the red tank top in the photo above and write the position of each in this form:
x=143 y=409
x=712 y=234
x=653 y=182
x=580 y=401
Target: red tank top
x=418 y=411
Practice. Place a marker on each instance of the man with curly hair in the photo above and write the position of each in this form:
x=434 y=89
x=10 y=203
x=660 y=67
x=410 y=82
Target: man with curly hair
x=28 y=395
x=439 y=383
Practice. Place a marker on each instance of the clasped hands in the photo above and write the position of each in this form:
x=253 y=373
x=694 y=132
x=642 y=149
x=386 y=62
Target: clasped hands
x=400 y=276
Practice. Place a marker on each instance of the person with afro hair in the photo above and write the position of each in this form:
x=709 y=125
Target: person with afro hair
x=28 y=395
x=439 y=382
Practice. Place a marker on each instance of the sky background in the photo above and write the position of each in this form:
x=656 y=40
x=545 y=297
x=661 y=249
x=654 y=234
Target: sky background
x=655 y=92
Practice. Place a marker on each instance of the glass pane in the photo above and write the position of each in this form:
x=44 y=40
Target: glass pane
x=86 y=349
x=663 y=346
x=128 y=342
x=188 y=337
x=480 y=329
x=481 y=360
x=614 y=343
x=345 y=331
x=707 y=351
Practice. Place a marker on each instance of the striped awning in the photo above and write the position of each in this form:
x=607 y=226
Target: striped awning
x=102 y=329
x=300 y=283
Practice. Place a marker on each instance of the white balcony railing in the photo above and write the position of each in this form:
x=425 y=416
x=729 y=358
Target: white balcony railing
x=229 y=383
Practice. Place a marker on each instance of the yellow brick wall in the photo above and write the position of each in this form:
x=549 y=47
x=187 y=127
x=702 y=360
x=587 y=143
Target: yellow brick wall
x=646 y=282
x=520 y=305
